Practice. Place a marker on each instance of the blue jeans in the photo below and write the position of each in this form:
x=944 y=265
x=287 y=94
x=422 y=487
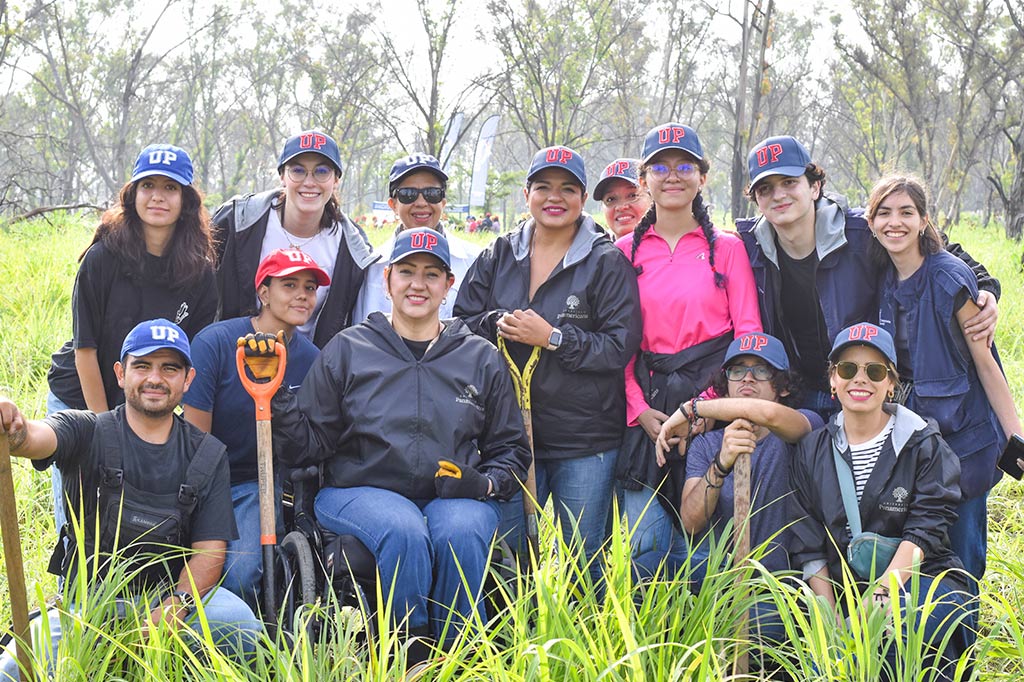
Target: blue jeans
x=233 y=628
x=969 y=535
x=243 y=566
x=60 y=517
x=655 y=543
x=582 y=488
x=433 y=554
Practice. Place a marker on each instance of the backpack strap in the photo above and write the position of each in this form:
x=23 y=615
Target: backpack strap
x=849 y=491
x=112 y=464
x=200 y=472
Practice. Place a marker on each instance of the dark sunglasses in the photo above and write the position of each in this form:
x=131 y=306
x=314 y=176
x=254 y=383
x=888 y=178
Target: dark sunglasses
x=876 y=371
x=407 y=195
x=760 y=372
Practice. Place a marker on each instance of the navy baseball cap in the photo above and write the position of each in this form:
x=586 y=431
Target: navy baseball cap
x=411 y=164
x=558 y=157
x=423 y=240
x=163 y=159
x=782 y=155
x=864 y=334
x=764 y=346
x=153 y=335
x=672 y=136
x=619 y=169
x=311 y=141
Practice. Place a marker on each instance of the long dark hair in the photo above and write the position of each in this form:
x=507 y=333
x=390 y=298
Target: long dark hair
x=930 y=240
x=700 y=213
x=190 y=252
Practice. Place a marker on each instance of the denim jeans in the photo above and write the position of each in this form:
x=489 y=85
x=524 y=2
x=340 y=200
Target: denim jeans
x=433 y=554
x=655 y=543
x=233 y=628
x=243 y=565
x=60 y=517
x=968 y=536
x=582 y=488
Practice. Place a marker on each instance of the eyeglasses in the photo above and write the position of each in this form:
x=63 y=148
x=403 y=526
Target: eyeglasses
x=408 y=195
x=759 y=372
x=613 y=201
x=320 y=173
x=662 y=170
x=876 y=371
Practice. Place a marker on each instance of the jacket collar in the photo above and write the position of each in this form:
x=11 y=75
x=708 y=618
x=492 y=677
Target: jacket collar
x=451 y=333
x=829 y=229
x=588 y=234
x=907 y=424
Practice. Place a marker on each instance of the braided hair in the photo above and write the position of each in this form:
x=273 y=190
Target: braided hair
x=700 y=213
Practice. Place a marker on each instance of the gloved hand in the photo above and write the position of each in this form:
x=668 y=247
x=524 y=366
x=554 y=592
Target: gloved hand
x=451 y=480
x=260 y=354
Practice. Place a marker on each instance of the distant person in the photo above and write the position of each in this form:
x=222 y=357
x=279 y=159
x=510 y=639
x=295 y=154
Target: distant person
x=811 y=259
x=928 y=297
x=164 y=518
x=623 y=199
x=417 y=188
x=217 y=402
x=557 y=283
x=496 y=225
x=304 y=214
x=486 y=225
x=151 y=256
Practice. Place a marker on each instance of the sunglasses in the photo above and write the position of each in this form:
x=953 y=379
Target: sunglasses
x=876 y=371
x=408 y=195
x=759 y=372
x=662 y=170
x=320 y=173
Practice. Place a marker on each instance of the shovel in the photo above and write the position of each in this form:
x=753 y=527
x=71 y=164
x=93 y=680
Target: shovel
x=261 y=394
x=12 y=557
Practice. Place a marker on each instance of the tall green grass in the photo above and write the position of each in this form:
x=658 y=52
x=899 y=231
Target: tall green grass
x=553 y=626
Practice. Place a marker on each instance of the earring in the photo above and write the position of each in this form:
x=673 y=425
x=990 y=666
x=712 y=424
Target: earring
x=890 y=395
x=833 y=393
x=387 y=295
x=444 y=300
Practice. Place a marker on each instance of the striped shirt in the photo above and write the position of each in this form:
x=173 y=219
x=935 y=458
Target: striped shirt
x=864 y=456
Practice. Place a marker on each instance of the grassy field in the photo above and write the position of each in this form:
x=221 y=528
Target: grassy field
x=551 y=632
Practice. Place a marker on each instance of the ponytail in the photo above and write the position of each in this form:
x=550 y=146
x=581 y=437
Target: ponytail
x=703 y=216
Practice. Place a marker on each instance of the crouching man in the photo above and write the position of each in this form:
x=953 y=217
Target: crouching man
x=155 y=490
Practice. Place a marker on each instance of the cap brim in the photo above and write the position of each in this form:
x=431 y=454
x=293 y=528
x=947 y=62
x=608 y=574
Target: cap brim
x=741 y=353
x=281 y=164
x=667 y=147
x=322 y=278
x=839 y=349
x=787 y=171
x=599 y=188
x=173 y=176
x=430 y=169
x=531 y=176
x=413 y=252
x=146 y=350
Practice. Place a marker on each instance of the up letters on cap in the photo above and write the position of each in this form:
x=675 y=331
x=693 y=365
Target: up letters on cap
x=616 y=168
x=296 y=256
x=769 y=153
x=754 y=342
x=312 y=141
x=558 y=155
x=161 y=333
x=671 y=134
x=422 y=240
x=163 y=156
x=863 y=332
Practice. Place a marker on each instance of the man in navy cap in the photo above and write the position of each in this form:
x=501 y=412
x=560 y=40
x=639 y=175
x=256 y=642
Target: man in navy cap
x=810 y=256
x=417 y=189
x=156 y=488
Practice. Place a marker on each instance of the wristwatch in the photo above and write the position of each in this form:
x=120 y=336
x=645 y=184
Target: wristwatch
x=186 y=599
x=555 y=340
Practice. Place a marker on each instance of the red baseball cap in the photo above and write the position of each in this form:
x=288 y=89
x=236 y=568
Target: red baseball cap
x=284 y=262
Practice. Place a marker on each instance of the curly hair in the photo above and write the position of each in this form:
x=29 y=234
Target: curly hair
x=787 y=385
x=190 y=251
x=700 y=213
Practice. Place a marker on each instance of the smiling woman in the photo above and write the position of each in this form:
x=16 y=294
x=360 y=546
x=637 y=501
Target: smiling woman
x=304 y=214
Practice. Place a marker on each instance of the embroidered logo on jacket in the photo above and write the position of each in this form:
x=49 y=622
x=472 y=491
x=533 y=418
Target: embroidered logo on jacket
x=470 y=396
x=900 y=505
x=182 y=313
x=574 y=309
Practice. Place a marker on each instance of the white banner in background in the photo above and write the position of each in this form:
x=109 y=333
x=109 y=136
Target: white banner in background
x=482 y=158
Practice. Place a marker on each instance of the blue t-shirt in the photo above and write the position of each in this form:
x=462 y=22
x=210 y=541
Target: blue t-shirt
x=770 y=490
x=217 y=389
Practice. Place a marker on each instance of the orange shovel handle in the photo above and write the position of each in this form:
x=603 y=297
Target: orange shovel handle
x=262 y=393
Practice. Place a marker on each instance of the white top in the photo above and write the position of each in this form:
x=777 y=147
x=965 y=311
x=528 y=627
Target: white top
x=864 y=456
x=321 y=247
